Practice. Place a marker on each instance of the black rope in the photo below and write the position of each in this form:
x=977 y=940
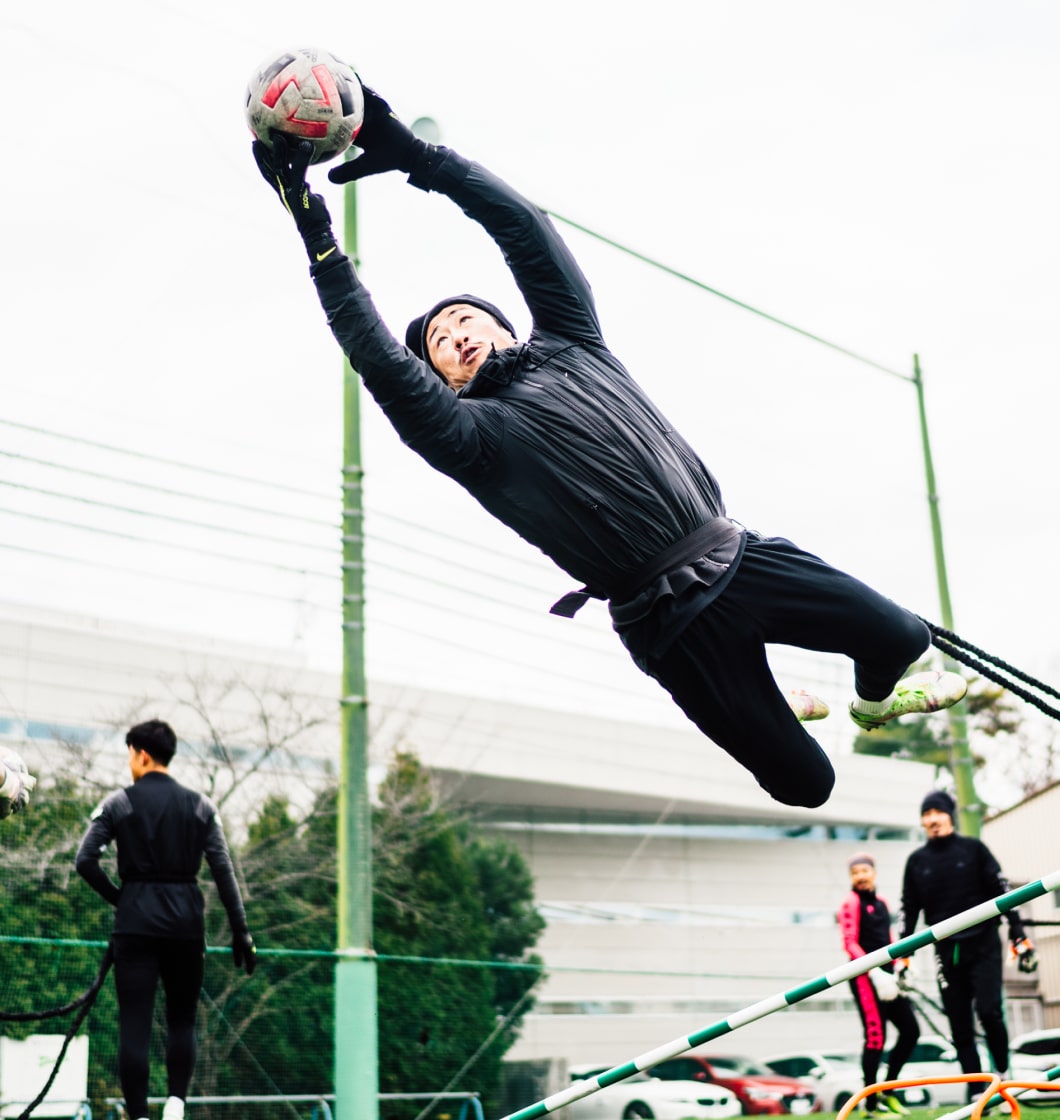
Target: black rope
x=85 y=997
x=918 y=998
x=953 y=645
x=83 y=1005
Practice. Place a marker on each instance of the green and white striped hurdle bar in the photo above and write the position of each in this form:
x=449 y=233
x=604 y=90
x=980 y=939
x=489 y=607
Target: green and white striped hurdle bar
x=847 y=971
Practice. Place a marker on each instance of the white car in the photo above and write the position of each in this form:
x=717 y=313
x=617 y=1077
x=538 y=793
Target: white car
x=641 y=1097
x=1036 y=1049
x=1031 y=1056
x=836 y=1077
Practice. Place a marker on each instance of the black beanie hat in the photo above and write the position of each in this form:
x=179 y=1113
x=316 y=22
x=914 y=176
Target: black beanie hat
x=941 y=800
x=416 y=332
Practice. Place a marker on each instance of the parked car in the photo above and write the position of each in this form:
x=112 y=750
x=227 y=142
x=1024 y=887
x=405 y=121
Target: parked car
x=641 y=1097
x=836 y=1076
x=1037 y=1049
x=1031 y=1055
x=759 y=1090
x=934 y=1056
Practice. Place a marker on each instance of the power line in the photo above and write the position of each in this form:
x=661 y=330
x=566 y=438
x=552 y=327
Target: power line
x=203 y=585
x=157 y=516
x=153 y=488
x=212 y=472
x=372 y=512
x=302 y=571
x=643 y=258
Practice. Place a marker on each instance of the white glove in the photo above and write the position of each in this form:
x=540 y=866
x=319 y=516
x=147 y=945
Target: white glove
x=885 y=983
x=16 y=784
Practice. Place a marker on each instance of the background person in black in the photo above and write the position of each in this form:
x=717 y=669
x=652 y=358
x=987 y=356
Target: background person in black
x=951 y=873
x=162 y=831
x=556 y=440
x=865 y=926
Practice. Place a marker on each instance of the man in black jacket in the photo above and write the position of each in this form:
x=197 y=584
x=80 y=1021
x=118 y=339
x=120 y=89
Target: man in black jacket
x=556 y=440
x=162 y=832
x=951 y=873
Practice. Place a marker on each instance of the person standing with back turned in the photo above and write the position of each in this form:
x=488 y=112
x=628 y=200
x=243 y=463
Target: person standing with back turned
x=162 y=831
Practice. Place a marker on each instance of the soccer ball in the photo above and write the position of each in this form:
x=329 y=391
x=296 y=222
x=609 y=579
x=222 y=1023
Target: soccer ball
x=308 y=94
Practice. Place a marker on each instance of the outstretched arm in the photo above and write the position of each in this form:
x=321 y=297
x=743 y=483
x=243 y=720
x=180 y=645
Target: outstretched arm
x=553 y=285
x=423 y=409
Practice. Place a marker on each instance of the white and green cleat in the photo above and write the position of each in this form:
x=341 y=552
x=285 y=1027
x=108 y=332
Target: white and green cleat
x=889 y=1102
x=923 y=692
x=806 y=706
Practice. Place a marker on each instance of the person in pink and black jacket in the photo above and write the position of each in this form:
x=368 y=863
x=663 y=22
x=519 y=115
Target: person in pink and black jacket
x=865 y=925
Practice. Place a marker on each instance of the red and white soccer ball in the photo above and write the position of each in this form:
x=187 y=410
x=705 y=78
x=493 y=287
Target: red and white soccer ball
x=308 y=94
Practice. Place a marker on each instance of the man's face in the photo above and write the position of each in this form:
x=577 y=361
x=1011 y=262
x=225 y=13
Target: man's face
x=936 y=823
x=460 y=338
x=863 y=877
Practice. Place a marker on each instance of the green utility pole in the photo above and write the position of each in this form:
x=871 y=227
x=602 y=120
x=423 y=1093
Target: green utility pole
x=970 y=809
x=356 y=1035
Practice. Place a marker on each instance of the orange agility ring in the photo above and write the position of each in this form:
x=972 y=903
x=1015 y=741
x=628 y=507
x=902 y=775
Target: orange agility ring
x=993 y=1087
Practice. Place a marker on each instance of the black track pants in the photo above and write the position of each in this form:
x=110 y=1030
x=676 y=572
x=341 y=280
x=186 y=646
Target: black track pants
x=718 y=674
x=969 y=976
x=139 y=963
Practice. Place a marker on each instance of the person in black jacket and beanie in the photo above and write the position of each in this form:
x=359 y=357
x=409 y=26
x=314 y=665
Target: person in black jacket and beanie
x=162 y=831
x=555 y=439
x=951 y=873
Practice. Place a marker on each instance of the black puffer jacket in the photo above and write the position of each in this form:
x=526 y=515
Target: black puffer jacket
x=553 y=437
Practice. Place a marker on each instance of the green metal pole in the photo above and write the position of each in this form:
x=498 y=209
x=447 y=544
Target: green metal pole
x=356 y=1033
x=970 y=810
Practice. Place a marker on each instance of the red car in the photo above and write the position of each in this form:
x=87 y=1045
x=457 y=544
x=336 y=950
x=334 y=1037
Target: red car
x=760 y=1091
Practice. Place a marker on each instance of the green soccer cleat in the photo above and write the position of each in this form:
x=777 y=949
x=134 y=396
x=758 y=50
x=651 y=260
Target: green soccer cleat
x=891 y=1103
x=922 y=692
x=806 y=706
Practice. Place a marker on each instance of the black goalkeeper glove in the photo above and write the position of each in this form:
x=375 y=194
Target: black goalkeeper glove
x=244 y=955
x=386 y=144
x=284 y=169
x=1026 y=957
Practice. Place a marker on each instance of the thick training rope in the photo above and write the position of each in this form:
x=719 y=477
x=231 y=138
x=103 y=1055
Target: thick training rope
x=847 y=971
x=917 y=998
x=83 y=1004
x=953 y=645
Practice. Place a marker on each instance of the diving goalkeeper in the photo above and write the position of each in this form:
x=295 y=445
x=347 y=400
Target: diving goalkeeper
x=556 y=439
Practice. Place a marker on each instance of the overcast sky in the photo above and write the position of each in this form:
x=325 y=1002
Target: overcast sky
x=883 y=177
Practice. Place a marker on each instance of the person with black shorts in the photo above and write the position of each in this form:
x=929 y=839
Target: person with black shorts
x=162 y=831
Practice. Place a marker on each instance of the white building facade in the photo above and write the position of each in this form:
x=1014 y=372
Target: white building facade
x=676 y=892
